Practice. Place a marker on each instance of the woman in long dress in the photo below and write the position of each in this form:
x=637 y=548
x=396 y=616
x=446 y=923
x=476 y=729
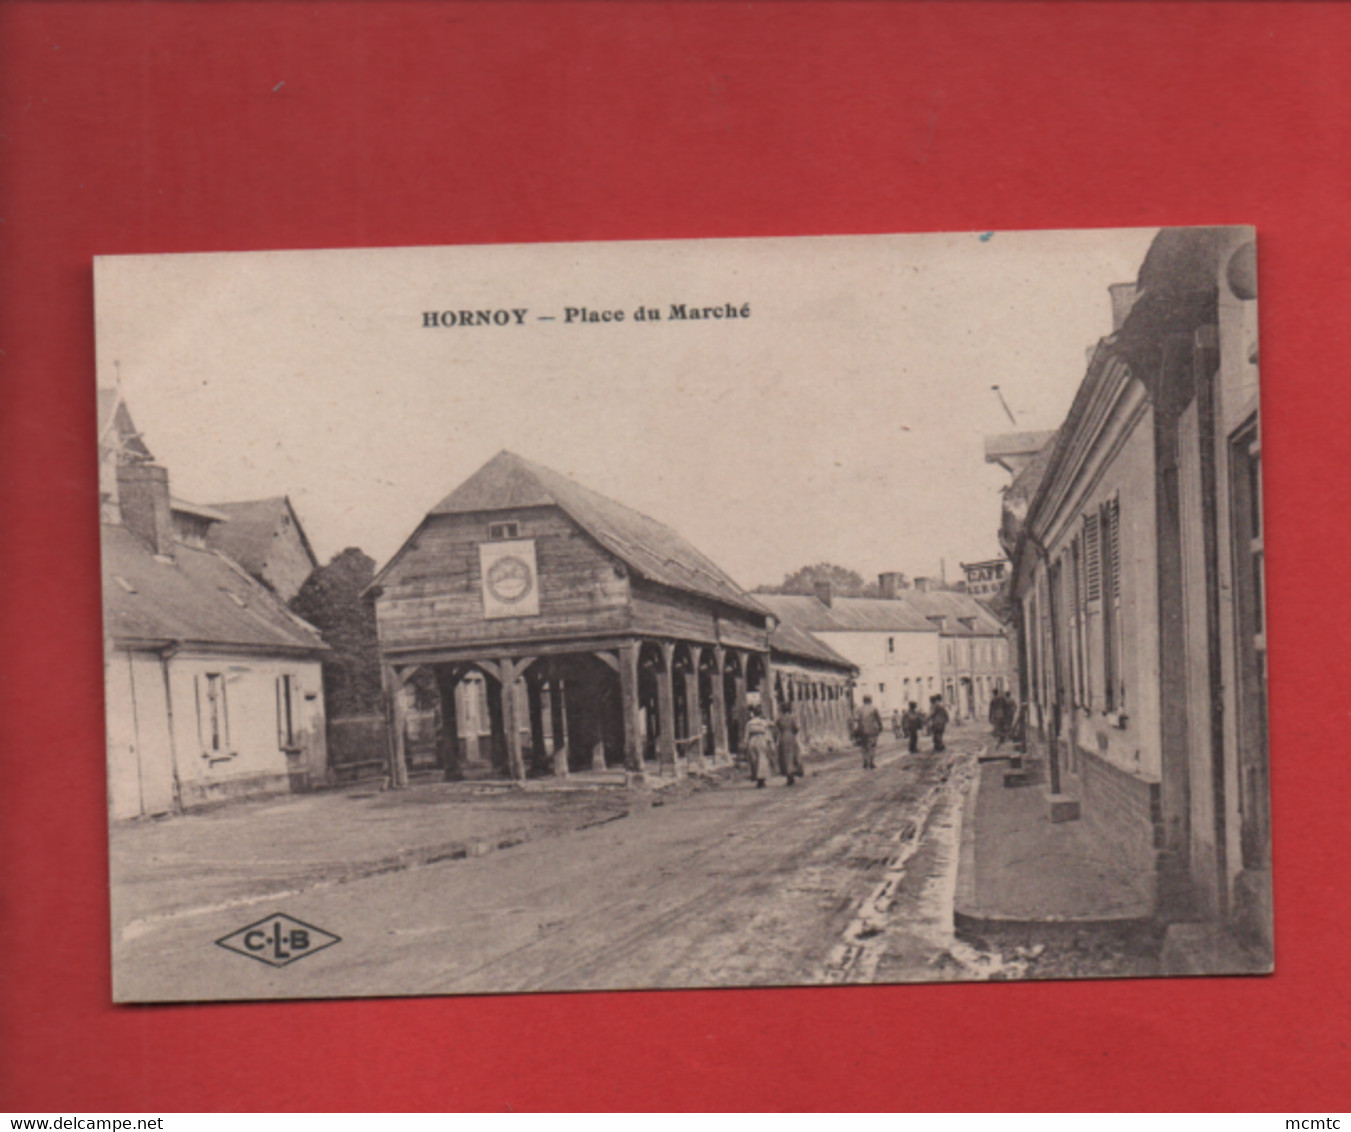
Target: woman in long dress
x=759 y=748
x=790 y=750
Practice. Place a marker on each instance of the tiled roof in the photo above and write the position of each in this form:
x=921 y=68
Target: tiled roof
x=911 y=611
x=847 y=614
x=246 y=535
x=955 y=608
x=199 y=598
x=651 y=549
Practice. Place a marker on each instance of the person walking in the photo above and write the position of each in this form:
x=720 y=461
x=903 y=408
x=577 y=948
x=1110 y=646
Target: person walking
x=868 y=726
x=999 y=717
x=759 y=747
x=896 y=722
x=912 y=722
x=790 y=750
x=938 y=722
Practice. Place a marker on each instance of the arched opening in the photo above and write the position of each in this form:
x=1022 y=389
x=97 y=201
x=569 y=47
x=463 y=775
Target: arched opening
x=688 y=710
x=651 y=670
x=757 y=684
x=593 y=721
x=734 y=696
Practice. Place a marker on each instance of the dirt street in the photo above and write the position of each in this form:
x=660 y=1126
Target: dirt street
x=845 y=877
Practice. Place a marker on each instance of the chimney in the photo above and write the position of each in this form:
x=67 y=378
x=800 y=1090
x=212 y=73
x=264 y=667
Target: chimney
x=890 y=583
x=143 y=496
x=922 y=585
x=1123 y=298
x=825 y=593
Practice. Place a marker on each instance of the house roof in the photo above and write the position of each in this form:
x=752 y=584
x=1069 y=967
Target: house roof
x=911 y=611
x=847 y=614
x=955 y=609
x=650 y=549
x=201 y=597
x=249 y=528
x=115 y=418
x=789 y=640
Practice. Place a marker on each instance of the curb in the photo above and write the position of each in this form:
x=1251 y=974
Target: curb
x=969 y=923
x=964 y=895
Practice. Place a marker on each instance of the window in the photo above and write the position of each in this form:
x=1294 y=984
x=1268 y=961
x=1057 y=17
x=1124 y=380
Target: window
x=286 y=734
x=891 y=646
x=504 y=530
x=213 y=717
x=881 y=688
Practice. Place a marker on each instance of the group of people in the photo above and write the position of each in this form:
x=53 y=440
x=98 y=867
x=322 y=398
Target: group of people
x=910 y=723
x=773 y=748
x=868 y=726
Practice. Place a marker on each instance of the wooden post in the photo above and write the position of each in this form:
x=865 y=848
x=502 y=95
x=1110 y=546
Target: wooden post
x=556 y=723
x=742 y=708
x=721 y=753
x=497 y=731
x=666 y=746
x=769 y=705
x=398 y=765
x=510 y=722
x=694 y=718
x=628 y=698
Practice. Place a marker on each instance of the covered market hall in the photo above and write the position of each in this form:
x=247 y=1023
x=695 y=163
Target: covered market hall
x=590 y=636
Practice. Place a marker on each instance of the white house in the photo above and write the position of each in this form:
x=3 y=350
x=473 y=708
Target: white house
x=895 y=648
x=213 y=687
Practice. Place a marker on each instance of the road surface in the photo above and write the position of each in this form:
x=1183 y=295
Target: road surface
x=846 y=877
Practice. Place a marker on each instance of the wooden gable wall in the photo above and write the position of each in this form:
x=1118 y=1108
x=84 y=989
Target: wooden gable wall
x=662 y=612
x=431 y=595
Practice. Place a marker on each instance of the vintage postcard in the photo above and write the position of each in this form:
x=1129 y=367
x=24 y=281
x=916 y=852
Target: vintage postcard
x=717 y=613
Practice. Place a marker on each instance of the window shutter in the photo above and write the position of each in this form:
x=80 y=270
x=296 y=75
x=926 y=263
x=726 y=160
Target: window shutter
x=1113 y=532
x=1092 y=559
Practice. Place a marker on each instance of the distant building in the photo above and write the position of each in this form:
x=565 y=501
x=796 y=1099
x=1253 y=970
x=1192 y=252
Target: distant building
x=915 y=642
x=894 y=648
x=976 y=657
x=213 y=688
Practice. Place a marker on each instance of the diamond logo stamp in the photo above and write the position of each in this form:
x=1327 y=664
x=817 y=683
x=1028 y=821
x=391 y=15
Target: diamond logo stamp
x=278 y=940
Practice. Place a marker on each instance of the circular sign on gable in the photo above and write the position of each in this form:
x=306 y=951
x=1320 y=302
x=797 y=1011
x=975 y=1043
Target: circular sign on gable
x=510 y=580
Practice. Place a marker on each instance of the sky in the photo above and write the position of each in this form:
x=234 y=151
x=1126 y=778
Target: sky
x=842 y=421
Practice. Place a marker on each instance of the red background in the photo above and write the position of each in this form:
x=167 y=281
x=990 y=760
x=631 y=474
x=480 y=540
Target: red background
x=161 y=127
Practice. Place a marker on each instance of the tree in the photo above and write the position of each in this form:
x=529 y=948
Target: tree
x=330 y=600
x=844 y=582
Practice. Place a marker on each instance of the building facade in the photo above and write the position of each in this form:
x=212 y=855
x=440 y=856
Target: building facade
x=1138 y=581
x=213 y=688
x=894 y=649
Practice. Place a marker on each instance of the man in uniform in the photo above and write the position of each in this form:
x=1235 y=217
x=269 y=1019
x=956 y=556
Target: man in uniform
x=868 y=726
x=938 y=721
